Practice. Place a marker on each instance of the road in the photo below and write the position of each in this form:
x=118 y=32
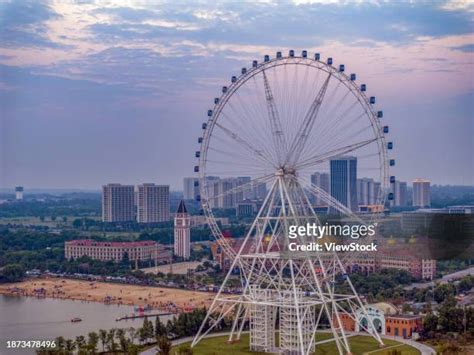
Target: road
x=446 y=278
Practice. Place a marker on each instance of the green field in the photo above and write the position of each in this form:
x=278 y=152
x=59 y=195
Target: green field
x=359 y=345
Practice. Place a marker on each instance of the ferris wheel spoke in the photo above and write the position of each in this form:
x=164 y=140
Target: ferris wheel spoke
x=318 y=159
x=303 y=132
x=334 y=203
x=275 y=123
x=244 y=143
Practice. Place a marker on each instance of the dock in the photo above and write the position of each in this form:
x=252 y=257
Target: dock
x=136 y=316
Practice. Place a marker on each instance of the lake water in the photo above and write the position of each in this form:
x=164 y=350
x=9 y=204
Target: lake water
x=29 y=318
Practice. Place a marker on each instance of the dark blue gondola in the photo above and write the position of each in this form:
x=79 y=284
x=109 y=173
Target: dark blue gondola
x=198 y=198
x=278 y=55
x=244 y=70
x=196 y=183
x=385 y=129
x=363 y=87
x=341 y=68
x=266 y=58
x=304 y=54
x=224 y=89
x=234 y=79
x=317 y=56
x=392 y=162
x=197 y=154
x=292 y=53
x=330 y=61
x=200 y=140
x=353 y=77
x=204 y=125
x=196 y=168
x=372 y=100
x=390 y=145
x=209 y=113
x=216 y=100
x=379 y=114
x=254 y=64
x=392 y=179
x=390 y=196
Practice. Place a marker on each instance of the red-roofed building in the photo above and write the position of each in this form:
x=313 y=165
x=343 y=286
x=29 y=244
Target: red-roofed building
x=137 y=251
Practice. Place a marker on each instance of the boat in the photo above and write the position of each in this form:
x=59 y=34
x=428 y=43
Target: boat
x=76 y=319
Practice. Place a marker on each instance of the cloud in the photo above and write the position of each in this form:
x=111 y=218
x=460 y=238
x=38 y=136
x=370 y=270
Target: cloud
x=22 y=24
x=465 y=48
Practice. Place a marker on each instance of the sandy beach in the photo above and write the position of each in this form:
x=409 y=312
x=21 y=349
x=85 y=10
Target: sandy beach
x=173 y=300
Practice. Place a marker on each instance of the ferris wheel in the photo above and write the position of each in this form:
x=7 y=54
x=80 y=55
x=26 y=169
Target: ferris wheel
x=277 y=126
x=294 y=114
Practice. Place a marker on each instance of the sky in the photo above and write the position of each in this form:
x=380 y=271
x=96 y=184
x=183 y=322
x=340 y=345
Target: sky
x=116 y=91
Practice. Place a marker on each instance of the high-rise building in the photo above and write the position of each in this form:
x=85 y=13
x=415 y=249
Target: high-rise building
x=182 y=232
x=320 y=180
x=365 y=191
x=19 y=193
x=153 y=203
x=399 y=189
x=421 y=193
x=118 y=203
x=190 y=188
x=225 y=192
x=344 y=182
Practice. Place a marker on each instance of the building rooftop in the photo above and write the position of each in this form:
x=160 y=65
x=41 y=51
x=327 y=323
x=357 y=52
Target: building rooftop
x=182 y=207
x=90 y=242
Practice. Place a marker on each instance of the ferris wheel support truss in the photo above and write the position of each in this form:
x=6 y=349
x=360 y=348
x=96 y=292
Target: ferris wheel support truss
x=300 y=288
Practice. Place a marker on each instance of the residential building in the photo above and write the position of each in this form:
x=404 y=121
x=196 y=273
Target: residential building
x=153 y=203
x=321 y=180
x=190 y=188
x=421 y=193
x=118 y=203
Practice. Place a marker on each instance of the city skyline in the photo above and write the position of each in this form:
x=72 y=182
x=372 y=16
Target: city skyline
x=79 y=82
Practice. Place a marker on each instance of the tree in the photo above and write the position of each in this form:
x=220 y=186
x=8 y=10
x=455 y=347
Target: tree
x=103 y=338
x=60 y=343
x=80 y=342
x=120 y=335
x=160 y=328
x=93 y=340
x=164 y=346
x=443 y=291
x=111 y=345
x=70 y=346
x=430 y=323
x=12 y=273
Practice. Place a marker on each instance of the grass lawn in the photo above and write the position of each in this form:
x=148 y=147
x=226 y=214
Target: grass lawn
x=359 y=346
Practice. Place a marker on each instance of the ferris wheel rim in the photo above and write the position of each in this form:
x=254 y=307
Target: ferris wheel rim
x=234 y=86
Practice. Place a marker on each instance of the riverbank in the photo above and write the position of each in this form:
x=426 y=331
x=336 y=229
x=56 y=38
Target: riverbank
x=164 y=299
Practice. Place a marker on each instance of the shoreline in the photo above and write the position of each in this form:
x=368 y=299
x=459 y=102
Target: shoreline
x=157 y=298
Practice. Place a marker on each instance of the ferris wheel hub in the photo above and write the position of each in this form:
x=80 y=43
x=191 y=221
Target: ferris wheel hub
x=285 y=171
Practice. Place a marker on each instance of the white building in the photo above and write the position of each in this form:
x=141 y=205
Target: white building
x=399 y=189
x=118 y=203
x=190 y=188
x=182 y=232
x=421 y=193
x=153 y=203
x=19 y=193
x=322 y=181
x=366 y=191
